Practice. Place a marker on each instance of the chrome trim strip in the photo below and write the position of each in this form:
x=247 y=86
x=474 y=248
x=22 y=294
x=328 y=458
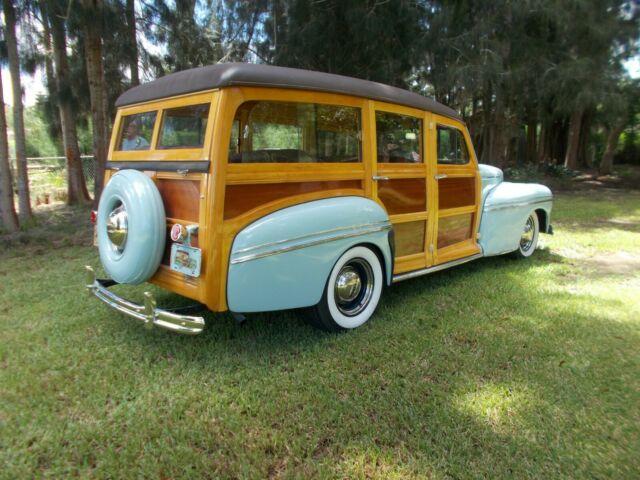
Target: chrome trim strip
x=290 y=248
x=417 y=273
x=148 y=313
x=308 y=235
x=516 y=205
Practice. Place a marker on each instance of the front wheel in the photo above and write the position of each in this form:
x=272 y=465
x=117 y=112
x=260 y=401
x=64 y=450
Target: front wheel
x=352 y=292
x=529 y=237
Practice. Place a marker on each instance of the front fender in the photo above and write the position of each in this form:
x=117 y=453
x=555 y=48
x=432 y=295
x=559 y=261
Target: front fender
x=505 y=212
x=283 y=260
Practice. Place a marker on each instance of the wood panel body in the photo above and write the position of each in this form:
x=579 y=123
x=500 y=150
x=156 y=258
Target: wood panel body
x=404 y=190
x=245 y=192
x=456 y=215
x=231 y=196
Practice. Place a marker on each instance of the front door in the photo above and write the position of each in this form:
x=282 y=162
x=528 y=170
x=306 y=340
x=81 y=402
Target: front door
x=399 y=181
x=459 y=187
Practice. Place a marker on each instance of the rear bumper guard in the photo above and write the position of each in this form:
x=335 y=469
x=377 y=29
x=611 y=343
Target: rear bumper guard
x=148 y=313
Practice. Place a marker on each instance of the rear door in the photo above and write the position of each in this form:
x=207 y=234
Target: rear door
x=399 y=174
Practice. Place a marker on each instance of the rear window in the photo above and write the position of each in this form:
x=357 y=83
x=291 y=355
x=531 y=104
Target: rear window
x=184 y=127
x=286 y=132
x=136 y=131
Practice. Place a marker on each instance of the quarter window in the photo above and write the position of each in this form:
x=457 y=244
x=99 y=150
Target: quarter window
x=136 y=131
x=399 y=138
x=452 y=149
x=184 y=127
x=284 y=132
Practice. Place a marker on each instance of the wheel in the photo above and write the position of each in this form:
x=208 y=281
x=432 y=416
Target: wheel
x=529 y=238
x=352 y=292
x=131 y=227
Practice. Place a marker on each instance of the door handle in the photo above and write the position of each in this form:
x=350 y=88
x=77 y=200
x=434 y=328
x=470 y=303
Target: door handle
x=378 y=178
x=440 y=176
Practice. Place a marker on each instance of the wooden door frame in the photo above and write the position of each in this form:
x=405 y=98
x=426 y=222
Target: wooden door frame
x=468 y=247
x=422 y=170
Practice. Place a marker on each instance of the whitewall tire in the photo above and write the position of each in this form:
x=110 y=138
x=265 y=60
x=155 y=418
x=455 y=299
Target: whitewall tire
x=529 y=237
x=352 y=292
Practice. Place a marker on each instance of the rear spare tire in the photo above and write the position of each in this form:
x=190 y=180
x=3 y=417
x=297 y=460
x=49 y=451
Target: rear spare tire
x=131 y=227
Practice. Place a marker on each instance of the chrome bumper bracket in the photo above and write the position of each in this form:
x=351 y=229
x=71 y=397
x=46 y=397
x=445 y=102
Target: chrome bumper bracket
x=148 y=313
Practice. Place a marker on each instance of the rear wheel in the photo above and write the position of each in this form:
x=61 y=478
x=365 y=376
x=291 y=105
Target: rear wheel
x=352 y=292
x=529 y=237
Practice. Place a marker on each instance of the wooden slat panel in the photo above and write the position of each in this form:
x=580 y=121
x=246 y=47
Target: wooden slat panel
x=405 y=195
x=181 y=198
x=242 y=198
x=456 y=192
x=454 y=229
x=409 y=238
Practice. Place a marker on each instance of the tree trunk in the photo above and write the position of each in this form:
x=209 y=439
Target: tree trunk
x=573 y=141
x=7 y=207
x=133 y=41
x=585 y=127
x=542 y=146
x=606 y=165
x=24 y=203
x=95 y=74
x=48 y=63
x=76 y=186
x=532 y=126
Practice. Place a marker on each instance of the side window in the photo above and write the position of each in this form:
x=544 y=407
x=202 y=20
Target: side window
x=399 y=138
x=136 y=131
x=452 y=149
x=184 y=127
x=284 y=132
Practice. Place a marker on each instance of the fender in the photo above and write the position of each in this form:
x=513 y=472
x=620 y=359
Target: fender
x=283 y=260
x=505 y=211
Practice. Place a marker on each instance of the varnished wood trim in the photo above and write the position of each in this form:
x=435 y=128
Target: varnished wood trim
x=408 y=263
x=450 y=212
x=283 y=173
x=408 y=217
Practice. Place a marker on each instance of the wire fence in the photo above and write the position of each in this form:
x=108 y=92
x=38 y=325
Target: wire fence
x=48 y=178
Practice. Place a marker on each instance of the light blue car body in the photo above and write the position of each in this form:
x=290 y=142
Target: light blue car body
x=284 y=259
x=505 y=208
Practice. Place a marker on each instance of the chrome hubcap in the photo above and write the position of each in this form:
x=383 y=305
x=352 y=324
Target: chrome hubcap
x=348 y=285
x=526 y=239
x=117 y=227
x=353 y=287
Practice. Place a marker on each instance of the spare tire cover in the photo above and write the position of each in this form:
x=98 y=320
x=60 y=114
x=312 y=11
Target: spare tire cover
x=136 y=257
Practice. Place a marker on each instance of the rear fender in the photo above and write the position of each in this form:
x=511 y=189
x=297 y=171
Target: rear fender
x=283 y=260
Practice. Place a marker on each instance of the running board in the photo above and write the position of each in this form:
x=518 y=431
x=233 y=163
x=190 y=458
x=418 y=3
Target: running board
x=436 y=268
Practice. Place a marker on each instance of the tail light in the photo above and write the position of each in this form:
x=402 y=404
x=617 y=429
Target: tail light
x=94 y=216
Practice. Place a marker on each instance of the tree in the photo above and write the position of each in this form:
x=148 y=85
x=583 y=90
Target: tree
x=622 y=107
x=365 y=39
x=7 y=207
x=132 y=40
x=24 y=202
x=92 y=11
x=190 y=41
x=76 y=185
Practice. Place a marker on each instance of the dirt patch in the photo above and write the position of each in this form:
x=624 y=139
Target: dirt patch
x=619 y=263
x=603 y=264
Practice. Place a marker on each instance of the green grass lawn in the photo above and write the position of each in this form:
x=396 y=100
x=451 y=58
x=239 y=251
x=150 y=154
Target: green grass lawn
x=495 y=369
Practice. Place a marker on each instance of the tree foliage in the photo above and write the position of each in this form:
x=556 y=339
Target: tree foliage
x=537 y=81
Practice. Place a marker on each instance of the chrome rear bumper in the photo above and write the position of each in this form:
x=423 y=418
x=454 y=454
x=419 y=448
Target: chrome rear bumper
x=148 y=313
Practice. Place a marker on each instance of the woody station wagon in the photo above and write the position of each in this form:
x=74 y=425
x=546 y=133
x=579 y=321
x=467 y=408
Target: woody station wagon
x=254 y=188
